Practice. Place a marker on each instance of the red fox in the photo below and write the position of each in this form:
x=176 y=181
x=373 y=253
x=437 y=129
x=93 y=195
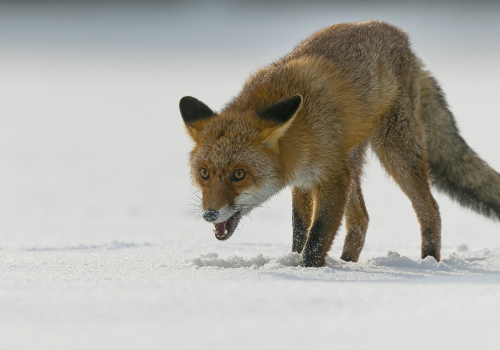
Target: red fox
x=306 y=121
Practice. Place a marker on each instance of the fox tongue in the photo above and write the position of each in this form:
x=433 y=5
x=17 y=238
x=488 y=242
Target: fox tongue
x=224 y=230
x=221 y=226
x=221 y=231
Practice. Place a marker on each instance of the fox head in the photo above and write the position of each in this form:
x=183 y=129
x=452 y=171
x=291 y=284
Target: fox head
x=235 y=161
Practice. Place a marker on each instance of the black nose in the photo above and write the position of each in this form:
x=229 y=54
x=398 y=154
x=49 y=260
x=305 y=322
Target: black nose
x=210 y=215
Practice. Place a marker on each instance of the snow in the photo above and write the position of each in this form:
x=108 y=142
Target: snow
x=392 y=266
x=99 y=247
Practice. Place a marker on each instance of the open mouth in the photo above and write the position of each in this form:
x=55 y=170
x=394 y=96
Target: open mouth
x=224 y=230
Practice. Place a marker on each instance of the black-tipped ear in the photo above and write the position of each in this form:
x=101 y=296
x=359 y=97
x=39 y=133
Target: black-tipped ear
x=282 y=111
x=192 y=109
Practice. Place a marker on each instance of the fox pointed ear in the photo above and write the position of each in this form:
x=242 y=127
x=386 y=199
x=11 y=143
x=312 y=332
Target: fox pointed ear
x=281 y=113
x=193 y=110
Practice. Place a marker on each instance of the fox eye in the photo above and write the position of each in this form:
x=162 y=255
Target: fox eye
x=238 y=175
x=204 y=173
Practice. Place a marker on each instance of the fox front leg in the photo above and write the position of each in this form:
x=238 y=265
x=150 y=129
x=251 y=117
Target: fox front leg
x=329 y=201
x=301 y=217
x=356 y=216
x=356 y=222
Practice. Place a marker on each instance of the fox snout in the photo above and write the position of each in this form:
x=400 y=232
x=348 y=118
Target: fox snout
x=210 y=215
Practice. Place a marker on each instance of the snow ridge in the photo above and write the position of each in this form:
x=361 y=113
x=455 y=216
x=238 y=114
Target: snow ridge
x=393 y=264
x=257 y=261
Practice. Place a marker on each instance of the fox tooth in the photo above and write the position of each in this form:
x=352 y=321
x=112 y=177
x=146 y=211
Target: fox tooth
x=215 y=231
x=225 y=232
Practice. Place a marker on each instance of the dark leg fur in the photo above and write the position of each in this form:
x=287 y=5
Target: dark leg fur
x=301 y=217
x=299 y=233
x=329 y=205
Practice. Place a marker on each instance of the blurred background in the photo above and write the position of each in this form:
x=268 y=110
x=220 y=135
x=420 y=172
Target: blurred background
x=93 y=149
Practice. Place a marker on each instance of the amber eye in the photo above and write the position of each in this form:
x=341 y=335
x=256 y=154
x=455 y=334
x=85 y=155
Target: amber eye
x=238 y=175
x=204 y=173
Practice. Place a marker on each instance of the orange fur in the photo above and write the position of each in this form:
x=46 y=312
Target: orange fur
x=359 y=84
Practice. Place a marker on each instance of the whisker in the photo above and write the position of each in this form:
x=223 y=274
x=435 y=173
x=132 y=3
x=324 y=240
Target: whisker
x=191 y=214
x=244 y=224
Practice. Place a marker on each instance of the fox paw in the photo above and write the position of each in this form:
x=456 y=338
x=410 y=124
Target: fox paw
x=311 y=262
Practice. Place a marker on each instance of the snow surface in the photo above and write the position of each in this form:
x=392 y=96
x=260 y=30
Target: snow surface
x=100 y=248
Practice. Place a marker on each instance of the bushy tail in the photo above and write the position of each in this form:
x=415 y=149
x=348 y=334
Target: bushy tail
x=455 y=168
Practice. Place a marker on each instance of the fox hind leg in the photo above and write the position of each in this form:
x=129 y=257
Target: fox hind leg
x=399 y=143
